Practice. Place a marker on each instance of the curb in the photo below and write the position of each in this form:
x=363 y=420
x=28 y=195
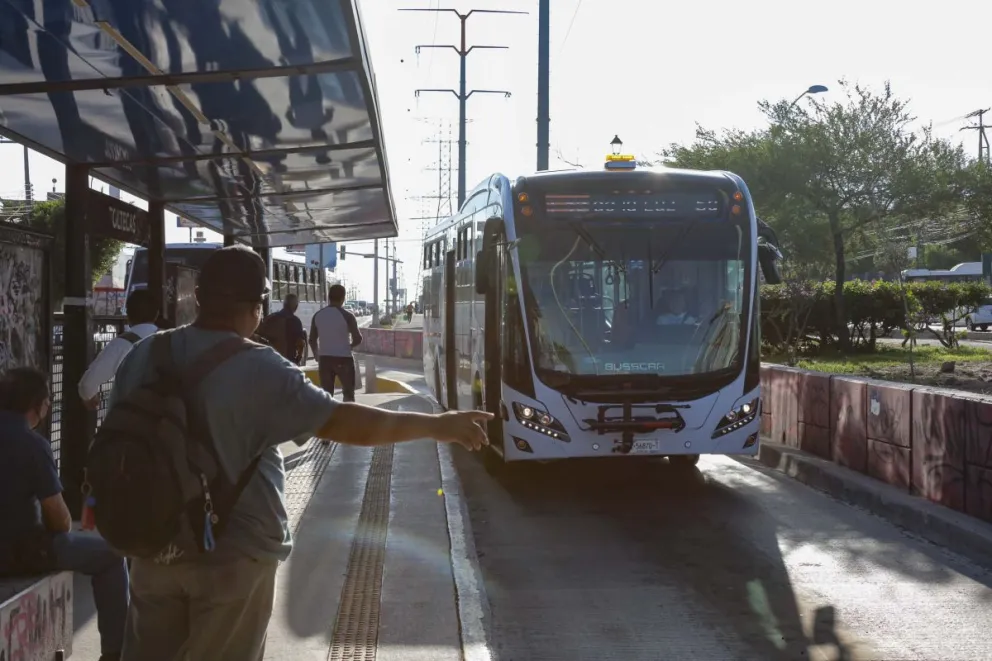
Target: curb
x=387 y=385
x=382 y=384
x=953 y=530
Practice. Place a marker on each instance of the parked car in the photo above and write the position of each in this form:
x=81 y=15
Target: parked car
x=981 y=318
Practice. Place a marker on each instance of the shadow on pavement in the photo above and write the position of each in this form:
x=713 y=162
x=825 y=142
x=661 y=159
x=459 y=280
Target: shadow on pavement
x=659 y=543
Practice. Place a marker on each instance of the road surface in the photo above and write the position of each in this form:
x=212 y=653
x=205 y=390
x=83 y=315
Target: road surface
x=628 y=561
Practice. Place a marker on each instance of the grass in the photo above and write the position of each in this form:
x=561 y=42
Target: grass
x=835 y=362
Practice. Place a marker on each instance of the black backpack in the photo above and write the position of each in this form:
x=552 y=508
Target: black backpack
x=157 y=487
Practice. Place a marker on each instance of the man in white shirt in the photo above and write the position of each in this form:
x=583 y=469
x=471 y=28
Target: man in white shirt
x=333 y=334
x=141 y=315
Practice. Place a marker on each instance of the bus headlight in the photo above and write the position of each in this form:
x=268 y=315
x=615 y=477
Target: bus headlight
x=738 y=417
x=539 y=420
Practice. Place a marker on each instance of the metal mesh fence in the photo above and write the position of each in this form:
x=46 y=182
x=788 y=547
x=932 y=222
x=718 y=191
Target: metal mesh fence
x=104 y=330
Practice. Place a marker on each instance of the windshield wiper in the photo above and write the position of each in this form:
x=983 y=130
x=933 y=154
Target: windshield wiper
x=580 y=229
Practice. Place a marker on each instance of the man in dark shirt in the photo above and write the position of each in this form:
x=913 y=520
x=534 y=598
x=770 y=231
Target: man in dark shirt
x=284 y=331
x=35 y=523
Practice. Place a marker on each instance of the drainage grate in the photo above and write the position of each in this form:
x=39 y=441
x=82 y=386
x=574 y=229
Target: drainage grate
x=303 y=472
x=356 y=628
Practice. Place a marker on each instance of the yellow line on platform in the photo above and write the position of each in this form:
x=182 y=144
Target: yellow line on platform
x=382 y=384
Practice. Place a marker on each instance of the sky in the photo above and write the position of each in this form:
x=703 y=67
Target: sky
x=644 y=70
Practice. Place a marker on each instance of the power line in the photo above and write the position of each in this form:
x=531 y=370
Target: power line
x=568 y=32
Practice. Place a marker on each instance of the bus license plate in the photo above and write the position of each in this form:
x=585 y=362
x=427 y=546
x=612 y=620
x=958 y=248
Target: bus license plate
x=644 y=447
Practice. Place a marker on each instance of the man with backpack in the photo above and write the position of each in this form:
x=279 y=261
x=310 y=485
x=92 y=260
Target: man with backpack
x=141 y=316
x=187 y=479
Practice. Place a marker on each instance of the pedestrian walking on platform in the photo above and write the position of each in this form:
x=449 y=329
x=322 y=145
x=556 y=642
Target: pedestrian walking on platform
x=141 y=316
x=333 y=334
x=214 y=601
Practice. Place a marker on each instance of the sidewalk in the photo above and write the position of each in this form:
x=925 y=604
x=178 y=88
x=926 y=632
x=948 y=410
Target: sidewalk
x=371 y=573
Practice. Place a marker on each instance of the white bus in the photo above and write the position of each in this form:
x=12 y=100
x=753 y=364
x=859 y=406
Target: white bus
x=964 y=272
x=601 y=313
x=290 y=274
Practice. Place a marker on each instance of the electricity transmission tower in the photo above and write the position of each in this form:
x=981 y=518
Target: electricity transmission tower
x=437 y=206
x=462 y=94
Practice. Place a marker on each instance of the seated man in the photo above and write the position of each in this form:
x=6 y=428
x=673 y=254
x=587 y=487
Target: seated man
x=674 y=310
x=35 y=524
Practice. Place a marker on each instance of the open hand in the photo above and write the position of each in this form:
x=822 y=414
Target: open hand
x=466 y=428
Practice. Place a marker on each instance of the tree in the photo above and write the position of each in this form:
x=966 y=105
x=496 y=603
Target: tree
x=49 y=217
x=977 y=188
x=858 y=162
x=822 y=173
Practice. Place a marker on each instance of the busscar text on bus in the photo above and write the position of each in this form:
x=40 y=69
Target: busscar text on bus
x=601 y=313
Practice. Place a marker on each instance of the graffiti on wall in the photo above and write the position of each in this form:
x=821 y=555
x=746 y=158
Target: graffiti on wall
x=23 y=308
x=38 y=622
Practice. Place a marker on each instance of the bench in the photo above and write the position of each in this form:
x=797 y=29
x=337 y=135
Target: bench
x=36 y=618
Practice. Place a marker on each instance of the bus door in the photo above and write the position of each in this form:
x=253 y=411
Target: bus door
x=450 y=350
x=490 y=282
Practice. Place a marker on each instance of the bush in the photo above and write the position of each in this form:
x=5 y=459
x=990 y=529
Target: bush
x=801 y=316
x=49 y=218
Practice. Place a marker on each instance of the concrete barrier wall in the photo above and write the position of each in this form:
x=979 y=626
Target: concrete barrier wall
x=394 y=343
x=932 y=442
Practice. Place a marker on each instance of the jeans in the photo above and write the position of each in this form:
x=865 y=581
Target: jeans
x=90 y=555
x=332 y=367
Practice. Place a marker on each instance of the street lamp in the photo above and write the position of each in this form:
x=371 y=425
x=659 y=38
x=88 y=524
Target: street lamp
x=813 y=89
x=617 y=144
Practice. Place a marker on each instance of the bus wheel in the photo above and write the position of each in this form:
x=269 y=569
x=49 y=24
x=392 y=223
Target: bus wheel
x=683 y=460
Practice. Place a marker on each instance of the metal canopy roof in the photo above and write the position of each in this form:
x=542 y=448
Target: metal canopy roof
x=254 y=118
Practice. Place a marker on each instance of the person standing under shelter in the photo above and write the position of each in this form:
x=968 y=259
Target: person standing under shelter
x=284 y=331
x=333 y=334
x=216 y=605
x=36 y=534
x=141 y=316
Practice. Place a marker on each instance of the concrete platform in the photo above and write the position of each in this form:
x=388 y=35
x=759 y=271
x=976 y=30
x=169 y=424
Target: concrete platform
x=330 y=606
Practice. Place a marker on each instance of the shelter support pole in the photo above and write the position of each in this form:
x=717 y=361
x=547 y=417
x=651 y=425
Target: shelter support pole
x=228 y=240
x=77 y=422
x=156 y=256
x=375 y=286
x=266 y=255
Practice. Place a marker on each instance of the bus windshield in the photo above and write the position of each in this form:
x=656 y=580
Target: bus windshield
x=663 y=297
x=191 y=257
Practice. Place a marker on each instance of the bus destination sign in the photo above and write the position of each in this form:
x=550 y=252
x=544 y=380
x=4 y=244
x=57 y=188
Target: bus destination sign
x=707 y=206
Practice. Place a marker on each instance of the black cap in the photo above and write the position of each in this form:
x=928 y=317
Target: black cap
x=234 y=273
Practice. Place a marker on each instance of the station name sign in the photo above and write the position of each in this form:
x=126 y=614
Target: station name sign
x=116 y=219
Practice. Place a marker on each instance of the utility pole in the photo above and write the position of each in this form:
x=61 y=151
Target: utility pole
x=543 y=83
x=462 y=95
x=984 y=152
x=375 y=285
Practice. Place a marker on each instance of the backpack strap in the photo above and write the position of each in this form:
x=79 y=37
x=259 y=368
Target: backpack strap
x=130 y=336
x=226 y=500
x=212 y=358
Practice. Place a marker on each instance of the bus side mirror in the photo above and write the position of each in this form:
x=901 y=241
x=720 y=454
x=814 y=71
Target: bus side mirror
x=481 y=273
x=768 y=256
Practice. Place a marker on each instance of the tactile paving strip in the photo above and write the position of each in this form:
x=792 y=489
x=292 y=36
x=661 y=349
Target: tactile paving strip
x=303 y=473
x=356 y=628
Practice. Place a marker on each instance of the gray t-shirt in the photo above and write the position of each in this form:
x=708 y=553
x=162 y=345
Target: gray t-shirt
x=253 y=402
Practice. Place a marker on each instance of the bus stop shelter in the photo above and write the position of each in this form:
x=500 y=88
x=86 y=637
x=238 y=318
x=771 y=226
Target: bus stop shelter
x=257 y=119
